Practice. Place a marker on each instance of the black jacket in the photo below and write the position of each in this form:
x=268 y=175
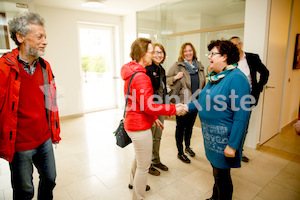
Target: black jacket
x=156 y=74
x=256 y=66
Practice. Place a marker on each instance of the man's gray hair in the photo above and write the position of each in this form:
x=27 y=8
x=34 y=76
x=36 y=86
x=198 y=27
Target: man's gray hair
x=236 y=37
x=20 y=24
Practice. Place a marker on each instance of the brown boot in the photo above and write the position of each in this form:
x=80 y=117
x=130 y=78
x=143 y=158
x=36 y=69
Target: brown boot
x=161 y=166
x=153 y=171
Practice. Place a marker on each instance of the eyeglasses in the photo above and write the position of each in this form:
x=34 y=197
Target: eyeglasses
x=151 y=52
x=158 y=53
x=211 y=54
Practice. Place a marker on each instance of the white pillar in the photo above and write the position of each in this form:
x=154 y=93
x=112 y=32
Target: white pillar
x=256 y=32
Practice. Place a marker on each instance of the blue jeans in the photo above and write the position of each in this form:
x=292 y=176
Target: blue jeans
x=21 y=169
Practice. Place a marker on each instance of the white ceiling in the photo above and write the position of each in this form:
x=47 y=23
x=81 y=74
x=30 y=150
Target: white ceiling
x=115 y=7
x=187 y=11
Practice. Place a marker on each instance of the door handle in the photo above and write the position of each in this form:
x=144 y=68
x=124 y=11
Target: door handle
x=269 y=87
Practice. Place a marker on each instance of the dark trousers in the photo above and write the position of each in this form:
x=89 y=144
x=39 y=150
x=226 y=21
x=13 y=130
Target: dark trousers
x=223 y=187
x=184 y=128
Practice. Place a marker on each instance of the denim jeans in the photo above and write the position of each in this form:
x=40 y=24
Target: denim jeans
x=21 y=169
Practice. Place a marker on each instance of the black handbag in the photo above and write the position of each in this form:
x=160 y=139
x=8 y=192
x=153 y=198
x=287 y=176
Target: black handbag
x=122 y=137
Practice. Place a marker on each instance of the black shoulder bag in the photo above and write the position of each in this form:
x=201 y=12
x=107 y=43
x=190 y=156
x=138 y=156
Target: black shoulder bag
x=121 y=135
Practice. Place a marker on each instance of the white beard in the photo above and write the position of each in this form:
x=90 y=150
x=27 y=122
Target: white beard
x=33 y=52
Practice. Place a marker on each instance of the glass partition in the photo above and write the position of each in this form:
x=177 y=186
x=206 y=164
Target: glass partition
x=8 y=10
x=195 y=21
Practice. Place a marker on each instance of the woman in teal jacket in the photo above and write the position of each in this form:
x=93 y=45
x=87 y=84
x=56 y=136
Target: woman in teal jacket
x=223 y=107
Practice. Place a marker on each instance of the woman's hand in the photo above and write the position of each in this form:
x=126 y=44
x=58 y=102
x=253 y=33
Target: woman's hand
x=159 y=125
x=178 y=76
x=229 y=152
x=181 y=109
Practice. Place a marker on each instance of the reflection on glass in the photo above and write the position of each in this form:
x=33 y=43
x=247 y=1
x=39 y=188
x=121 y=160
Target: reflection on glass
x=161 y=24
x=8 y=10
x=4 y=41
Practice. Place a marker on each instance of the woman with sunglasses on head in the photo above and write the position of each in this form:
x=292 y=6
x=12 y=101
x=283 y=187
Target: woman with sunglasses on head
x=186 y=79
x=224 y=112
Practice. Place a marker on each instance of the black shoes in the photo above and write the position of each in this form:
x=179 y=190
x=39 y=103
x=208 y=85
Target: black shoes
x=161 y=166
x=147 y=187
x=190 y=152
x=153 y=171
x=245 y=159
x=183 y=158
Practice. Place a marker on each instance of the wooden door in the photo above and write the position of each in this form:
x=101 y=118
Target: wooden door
x=276 y=58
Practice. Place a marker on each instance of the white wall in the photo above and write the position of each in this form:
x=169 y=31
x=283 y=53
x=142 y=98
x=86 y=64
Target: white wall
x=63 y=52
x=130 y=34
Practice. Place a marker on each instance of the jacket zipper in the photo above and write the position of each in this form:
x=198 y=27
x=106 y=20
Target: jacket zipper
x=13 y=106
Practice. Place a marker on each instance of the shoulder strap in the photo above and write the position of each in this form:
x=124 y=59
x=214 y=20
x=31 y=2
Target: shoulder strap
x=128 y=93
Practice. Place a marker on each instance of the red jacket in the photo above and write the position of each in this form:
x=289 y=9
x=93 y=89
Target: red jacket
x=9 y=101
x=141 y=111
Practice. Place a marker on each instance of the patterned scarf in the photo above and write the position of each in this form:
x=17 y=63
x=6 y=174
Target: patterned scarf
x=193 y=69
x=215 y=78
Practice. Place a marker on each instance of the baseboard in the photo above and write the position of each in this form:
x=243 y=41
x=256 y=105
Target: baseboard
x=283 y=129
x=257 y=145
x=71 y=116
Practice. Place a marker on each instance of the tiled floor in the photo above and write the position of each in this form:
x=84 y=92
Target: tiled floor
x=91 y=167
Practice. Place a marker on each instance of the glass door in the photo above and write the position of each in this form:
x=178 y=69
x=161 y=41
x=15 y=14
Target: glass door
x=97 y=61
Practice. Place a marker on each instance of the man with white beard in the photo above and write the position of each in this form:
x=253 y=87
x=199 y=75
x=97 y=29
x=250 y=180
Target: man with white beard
x=29 y=121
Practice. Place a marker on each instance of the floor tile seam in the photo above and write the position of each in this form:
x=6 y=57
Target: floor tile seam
x=102 y=182
x=283 y=184
x=68 y=192
x=291 y=189
x=271 y=181
x=203 y=192
x=177 y=181
x=192 y=185
x=252 y=182
x=285 y=188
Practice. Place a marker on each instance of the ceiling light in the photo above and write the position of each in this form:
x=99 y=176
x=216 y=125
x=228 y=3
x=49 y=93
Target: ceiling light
x=93 y=4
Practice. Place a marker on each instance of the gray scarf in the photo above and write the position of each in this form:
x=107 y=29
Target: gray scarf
x=193 y=69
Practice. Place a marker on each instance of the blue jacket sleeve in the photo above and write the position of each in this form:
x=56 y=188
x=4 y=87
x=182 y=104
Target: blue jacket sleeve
x=239 y=104
x=194 y=106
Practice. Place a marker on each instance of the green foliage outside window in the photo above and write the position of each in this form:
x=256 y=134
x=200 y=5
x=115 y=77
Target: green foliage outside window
x=93 y=64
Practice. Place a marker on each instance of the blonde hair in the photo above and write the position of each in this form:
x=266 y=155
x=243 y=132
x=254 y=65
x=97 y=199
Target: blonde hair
x=181 y=56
